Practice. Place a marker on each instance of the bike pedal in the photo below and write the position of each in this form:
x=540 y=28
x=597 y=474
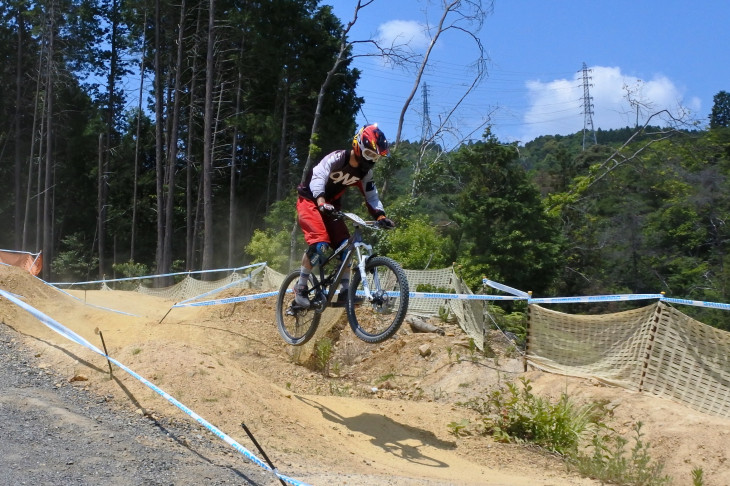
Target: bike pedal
x=294 y=309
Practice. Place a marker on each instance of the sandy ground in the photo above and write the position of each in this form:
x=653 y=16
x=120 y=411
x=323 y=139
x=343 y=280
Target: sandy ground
x=378 y=414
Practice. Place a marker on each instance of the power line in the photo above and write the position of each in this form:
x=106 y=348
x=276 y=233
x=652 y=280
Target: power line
x=510 y=88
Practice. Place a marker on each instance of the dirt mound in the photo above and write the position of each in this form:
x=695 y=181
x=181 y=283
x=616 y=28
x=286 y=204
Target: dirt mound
x=376 y=410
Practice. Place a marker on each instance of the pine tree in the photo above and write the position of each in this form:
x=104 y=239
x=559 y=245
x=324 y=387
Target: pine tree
x=720 y=116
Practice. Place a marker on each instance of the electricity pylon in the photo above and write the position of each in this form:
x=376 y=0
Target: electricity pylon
x=587 y=106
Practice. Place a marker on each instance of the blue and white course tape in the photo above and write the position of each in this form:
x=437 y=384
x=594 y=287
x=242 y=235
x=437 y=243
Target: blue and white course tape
x=71 y=335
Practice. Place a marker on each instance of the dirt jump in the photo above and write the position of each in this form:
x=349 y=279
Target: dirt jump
x=361 y=414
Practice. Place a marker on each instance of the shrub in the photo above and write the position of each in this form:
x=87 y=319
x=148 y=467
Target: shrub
x=270 y=247
x=515 y=414
x=610 y=462
x=417 y=244
x=129 y=269
x=75 y=261
x=518 y=415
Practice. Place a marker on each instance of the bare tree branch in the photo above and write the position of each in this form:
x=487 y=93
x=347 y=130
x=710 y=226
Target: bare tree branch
x=341 y=57
x=466 y=12
x=463 y=15
x=617 y=158
x=395 y=54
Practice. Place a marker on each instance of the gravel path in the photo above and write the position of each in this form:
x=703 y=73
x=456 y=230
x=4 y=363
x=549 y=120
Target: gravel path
x=54 y=432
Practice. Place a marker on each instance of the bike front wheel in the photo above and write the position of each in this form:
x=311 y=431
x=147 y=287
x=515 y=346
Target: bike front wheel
x=296 y=325
x=377 y=319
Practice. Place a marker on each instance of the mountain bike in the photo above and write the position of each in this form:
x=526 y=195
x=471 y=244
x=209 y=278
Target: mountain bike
x=377 y=299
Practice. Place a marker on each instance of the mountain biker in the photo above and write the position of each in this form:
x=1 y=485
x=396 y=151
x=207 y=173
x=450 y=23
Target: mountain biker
x=320 y=196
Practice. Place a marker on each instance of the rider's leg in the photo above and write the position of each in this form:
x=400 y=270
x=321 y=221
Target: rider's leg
x=315 y=231
x=318 y=252
x=301 y=296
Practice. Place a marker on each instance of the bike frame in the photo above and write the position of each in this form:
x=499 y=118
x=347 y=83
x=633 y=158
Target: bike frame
x=353 y=244
x=373 y=321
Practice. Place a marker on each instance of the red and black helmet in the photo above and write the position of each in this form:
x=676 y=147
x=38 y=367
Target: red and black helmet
x=370 y=143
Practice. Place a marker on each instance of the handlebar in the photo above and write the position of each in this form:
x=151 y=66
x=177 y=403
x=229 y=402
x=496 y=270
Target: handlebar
x=358 y=220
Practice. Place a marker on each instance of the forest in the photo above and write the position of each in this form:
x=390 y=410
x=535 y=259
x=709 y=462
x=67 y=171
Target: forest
x=238 y=97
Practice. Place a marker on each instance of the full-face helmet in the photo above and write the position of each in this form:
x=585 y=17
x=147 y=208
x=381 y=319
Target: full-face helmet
x=370 y=143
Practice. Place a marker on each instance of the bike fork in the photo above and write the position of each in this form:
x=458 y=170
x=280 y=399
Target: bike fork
x=361 y=268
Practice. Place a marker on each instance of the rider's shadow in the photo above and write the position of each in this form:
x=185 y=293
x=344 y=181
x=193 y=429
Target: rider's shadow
x=391 y=436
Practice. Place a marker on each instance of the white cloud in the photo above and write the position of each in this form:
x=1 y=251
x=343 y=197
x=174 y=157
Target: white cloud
x=556 y=107
x=404 y=32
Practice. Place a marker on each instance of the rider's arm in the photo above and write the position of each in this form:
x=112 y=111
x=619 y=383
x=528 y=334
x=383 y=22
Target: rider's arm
x=321 y=174
x=367 y=187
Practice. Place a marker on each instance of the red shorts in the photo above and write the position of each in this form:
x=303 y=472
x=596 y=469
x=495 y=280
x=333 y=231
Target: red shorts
x=318 y=227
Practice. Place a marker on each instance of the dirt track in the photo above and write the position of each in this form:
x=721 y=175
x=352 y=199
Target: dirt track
x=56 y=433
x=380 y=417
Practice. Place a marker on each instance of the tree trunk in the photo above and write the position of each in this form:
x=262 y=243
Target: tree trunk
x=47 y=221
x=198 y=215
x=207 y=144
x=137 y=141
x=318 y=110
x=190 y=211
x=282 y=172
x=344 y=44
x=159 y=140
x=33 y=137
x=101 y=206
x=18 y=131
x=172 y=150
x=293 y=245
x=39 y=181
x=232 y=189
x=105 y=154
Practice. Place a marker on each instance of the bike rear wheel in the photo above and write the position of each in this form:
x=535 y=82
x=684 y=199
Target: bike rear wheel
x=376 y=320
x=296 y=326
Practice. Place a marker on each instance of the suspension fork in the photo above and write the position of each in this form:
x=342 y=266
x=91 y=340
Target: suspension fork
x=362 y=257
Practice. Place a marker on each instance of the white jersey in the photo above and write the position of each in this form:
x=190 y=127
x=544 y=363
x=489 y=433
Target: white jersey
x=333 y=175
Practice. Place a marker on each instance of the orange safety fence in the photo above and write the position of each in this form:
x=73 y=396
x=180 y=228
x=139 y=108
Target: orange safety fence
x=32 y=262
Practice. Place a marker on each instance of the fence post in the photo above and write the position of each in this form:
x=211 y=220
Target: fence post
x=527 y=337
x=650 y=343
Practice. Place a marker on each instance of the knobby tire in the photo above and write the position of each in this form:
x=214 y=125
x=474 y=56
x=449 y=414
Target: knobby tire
x=299 y=328
x=376 y=321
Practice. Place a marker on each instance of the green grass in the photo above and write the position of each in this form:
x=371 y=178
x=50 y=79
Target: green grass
x=323 y=351
x=384 y=378
x=697 y=477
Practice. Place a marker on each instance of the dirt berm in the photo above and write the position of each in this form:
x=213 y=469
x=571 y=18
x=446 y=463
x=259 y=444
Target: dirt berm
x=377 y=415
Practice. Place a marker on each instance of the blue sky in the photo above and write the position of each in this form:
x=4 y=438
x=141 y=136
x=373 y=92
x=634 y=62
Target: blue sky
x=669 y=55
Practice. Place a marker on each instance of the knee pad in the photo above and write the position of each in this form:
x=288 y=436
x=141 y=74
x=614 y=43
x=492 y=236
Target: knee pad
x=322 y=248
x=318 y=252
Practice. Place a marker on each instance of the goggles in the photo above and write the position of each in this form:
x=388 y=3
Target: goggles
x=371 y=154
